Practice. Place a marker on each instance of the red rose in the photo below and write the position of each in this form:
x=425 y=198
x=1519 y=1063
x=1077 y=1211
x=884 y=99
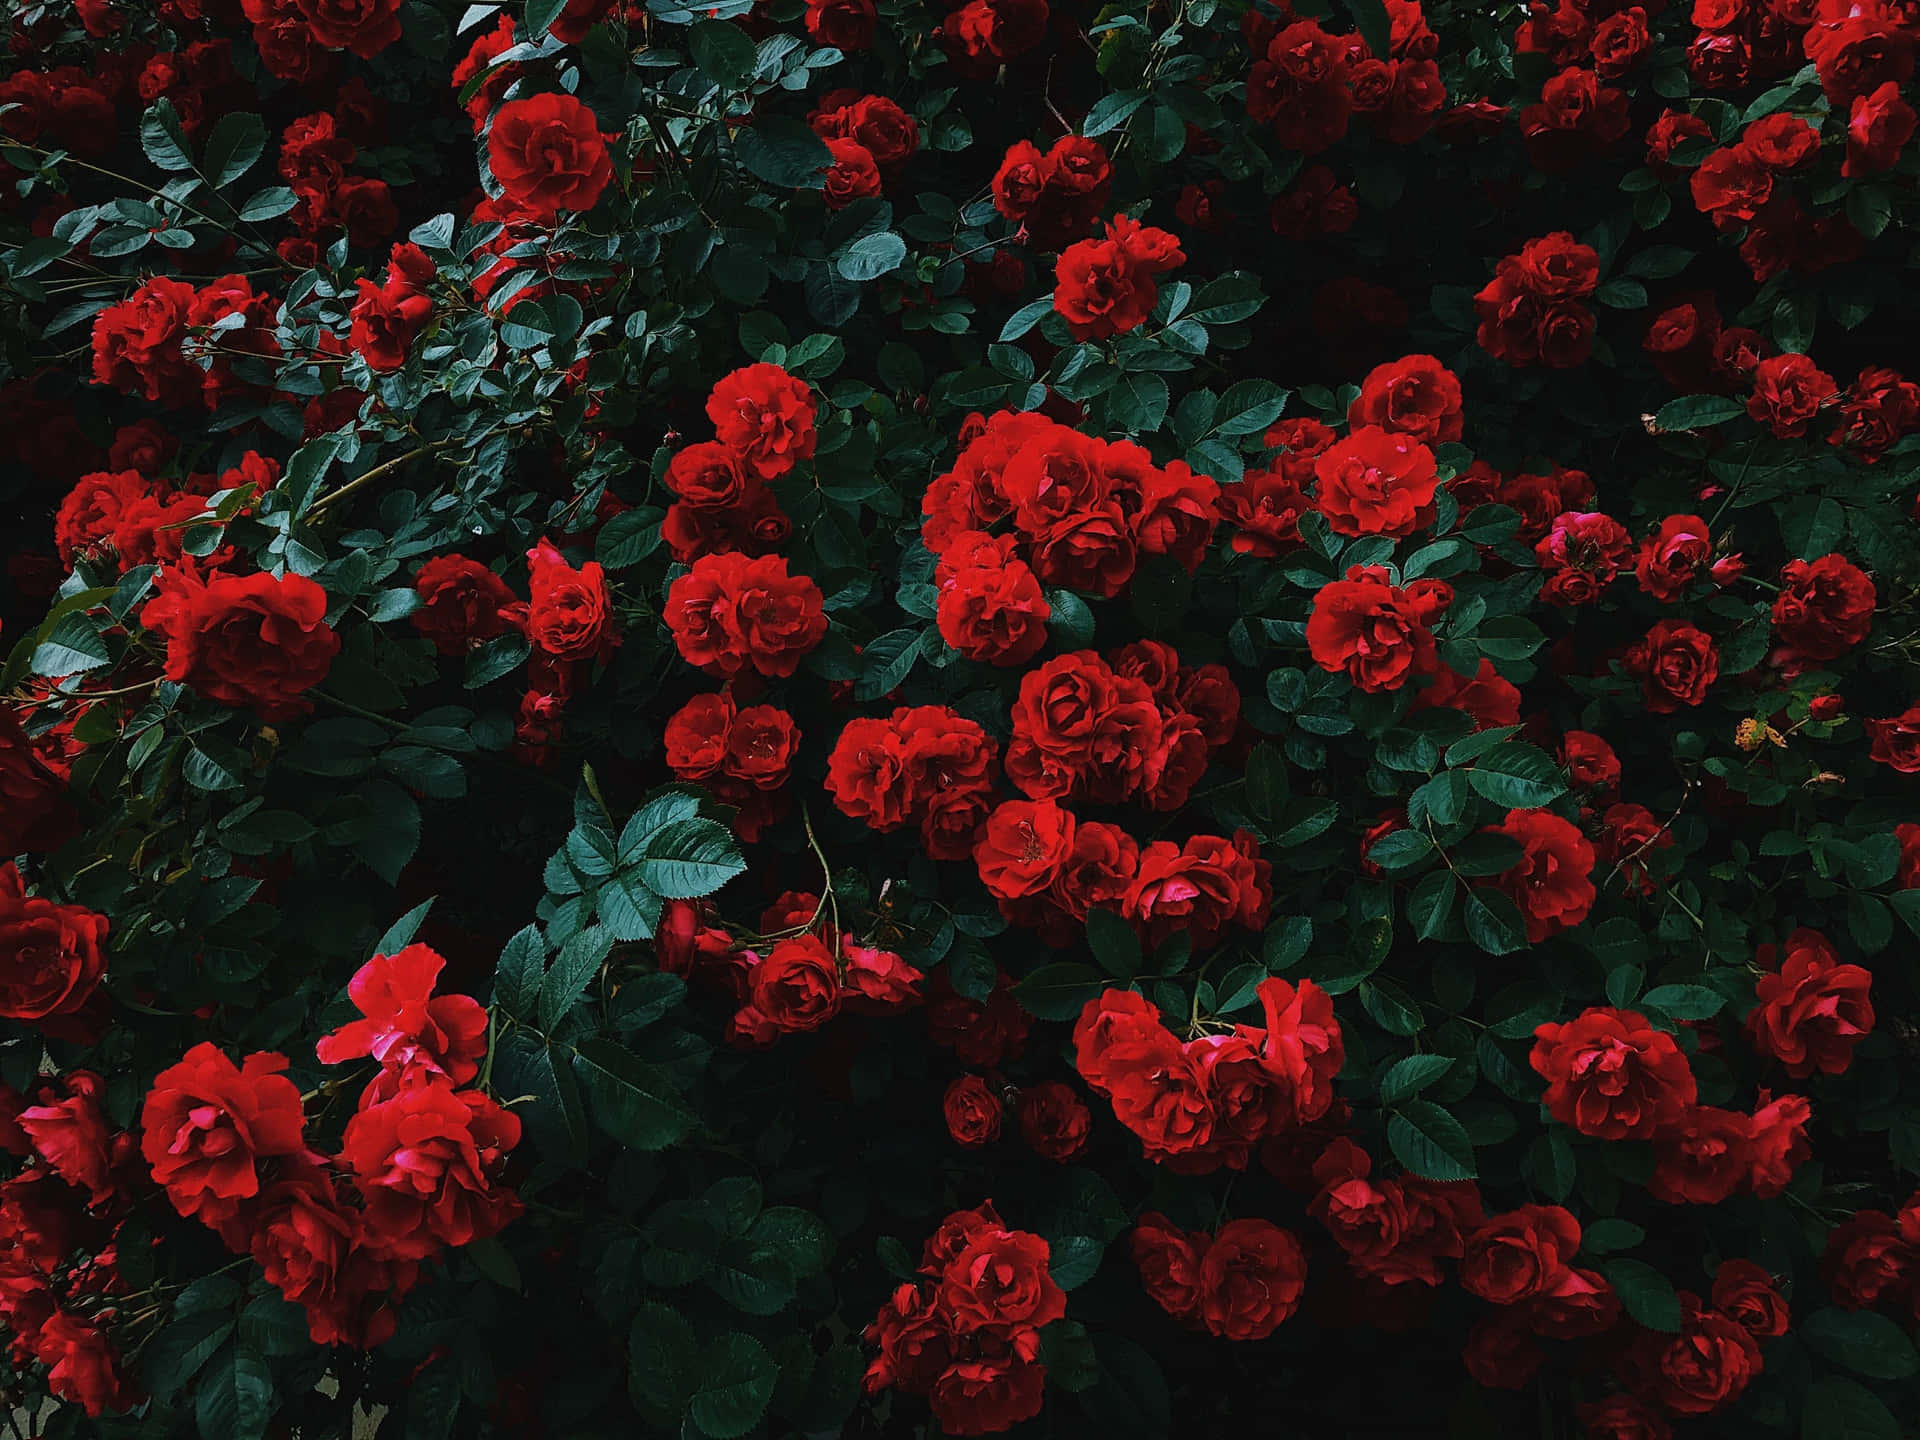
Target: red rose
x=258 y=641
x=1777 y=1142
x=981 y=35
x=385 y=320
x=766 y=416
x=427 y=1163
x=569 y=611
x=1731 y=185
x=1704 y=1368
x=1896 y=740
x=548 y=155
x=998 y=1390
x=1303 y=1048
x=310 y=1247
x=979 y=1033
x=95 y=508
x=915 y=1343
x=852 y=176
x=137 y=344
x=1177 y=515
x=1674 y=557
x=35 y=813
x=207 y=1125
x=52 y=956
x=730 y=612
x=1054 y=1121
x=1106 y=287
x=1490 y=698
x=1675 y=663
x=1788 y=391
x=1553 y=882
x=406 y=1028
x=761 y=744
x=1813 y=1010
x=843 y=24
x=1415 y=395
x=83 y=1364
x=695 y=737
x=1746 y=1294
x=1611 y=1075
x=366 y=27
x=1824 y=608
x=1580 y=555
x=1621 y=1417
x=1908 y=876
x=1629 y=834
x=994 y=613
x=1251 y=1280
x=1519 y=1255
x=460 y=603
x=1867 y=1260
x=972 y=1111
x=1878 y=126
x=1702 y=1158
x=1000 y=1279
x=1589 y=761
x=1169 y=1262
x=1199 y=888
x=1368 y=628
x=1376 y=482
x=796 y=985
x=1881 y=408
x=70 y=1133
x=1022 y=847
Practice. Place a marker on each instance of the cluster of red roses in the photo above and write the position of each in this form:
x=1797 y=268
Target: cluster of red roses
x=146 y=344
x=1532 y=311
x=316 y=152
x=1054 y=1121
x=59 y=1225
x=763 y=420
x=139 y=516
x=1239 y=1283
x=923 y=765
x=1212 y=1100
x=808 y=974
x=292 y=35
x=1107 y=287
x=743 y=755
x=968 y=1337
x=1082 y=511
x=1309 y=84
x=417 y=1171
x=387 y=316
x=1873 y=1258
x=870 y=138
x=1055 y=195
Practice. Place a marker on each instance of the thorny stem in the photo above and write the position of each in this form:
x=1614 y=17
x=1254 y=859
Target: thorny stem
x=378 y=472
x=827 y=897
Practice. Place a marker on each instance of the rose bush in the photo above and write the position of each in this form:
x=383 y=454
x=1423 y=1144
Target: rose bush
x=1242 y=672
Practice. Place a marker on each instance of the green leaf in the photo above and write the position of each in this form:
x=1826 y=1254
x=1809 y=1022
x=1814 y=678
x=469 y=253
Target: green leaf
x=1410 y=1076
x=1249 y=407
x=1493 y=922
x=871 y=256
x=1025 y=318
x=572 y=971
x=1430 y=905
x=663 y=1364
x=1286 y=943
x=235 y=1400
x=236 y=144
x=1111 y=111
x=785 y=152
x=73 y=645
x=688 y=859
x=1685 y=1002
x=1430 y=1142
x=401 y=932
x=1075 y=1259
x=1390 y=1007
x=724 y=52
x=174 y=1355
x=1138 y=403
x=1647 y=1294
x=886 y=662
x=1698 y=412
x=1059 y=991
x=163 y=139
x=541 y=14
x=632 y=1101
x=1864 y=1342
x=1606 y=1236
x=1838 y=1409
x=737 y=1377
x=274 y=1326
x=1519 y=776
x=517 y=979
x=1114 y=943
x=799 y=1237
x=1400 y=849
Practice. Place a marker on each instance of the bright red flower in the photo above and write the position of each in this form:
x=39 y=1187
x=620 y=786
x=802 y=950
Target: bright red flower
x=1813 y=1010
x=208 y=1126
x=1611 y=1075
x=548 y=155
x=427 y=1162
x=254 y=641
x=407 y=1028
